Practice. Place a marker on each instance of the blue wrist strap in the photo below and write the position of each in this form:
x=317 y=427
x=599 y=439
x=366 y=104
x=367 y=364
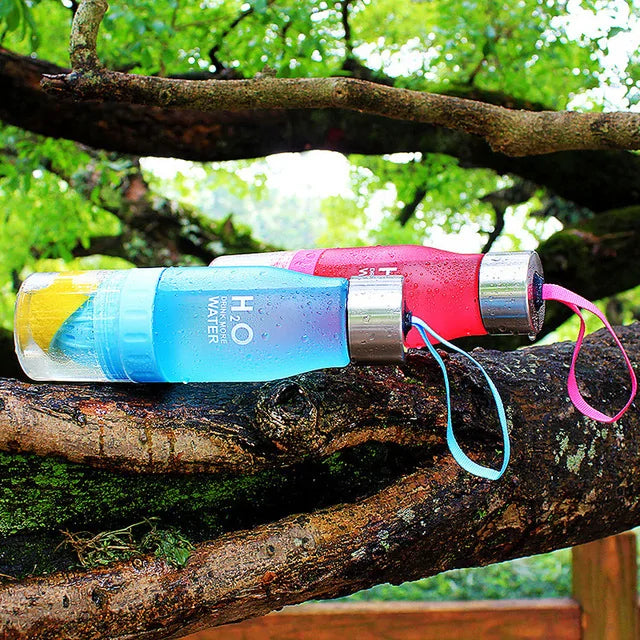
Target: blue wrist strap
x=460 y=457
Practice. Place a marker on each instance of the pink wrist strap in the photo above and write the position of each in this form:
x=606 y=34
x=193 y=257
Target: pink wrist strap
x=575 y=303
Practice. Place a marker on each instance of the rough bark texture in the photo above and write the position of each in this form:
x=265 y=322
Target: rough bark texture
x=237 y=428
x=571 y=480
x=185 y=133
x=514 y=133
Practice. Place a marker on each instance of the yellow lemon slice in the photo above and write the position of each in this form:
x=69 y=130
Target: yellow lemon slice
x=41 y=312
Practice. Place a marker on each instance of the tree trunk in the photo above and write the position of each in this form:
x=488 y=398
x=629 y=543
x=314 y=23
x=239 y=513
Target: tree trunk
x=387 y=504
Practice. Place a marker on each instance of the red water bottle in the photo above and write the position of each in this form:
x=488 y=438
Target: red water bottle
x=457 y=294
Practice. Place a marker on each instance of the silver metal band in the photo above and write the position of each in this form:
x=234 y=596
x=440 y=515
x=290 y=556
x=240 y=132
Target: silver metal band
x=510 y=292
x=375 y=319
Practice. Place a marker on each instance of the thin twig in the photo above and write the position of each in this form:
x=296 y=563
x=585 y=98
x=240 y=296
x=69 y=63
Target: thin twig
x=520 y=192
x=344 y=7
x=497 y=229
x=213 y=52
x=406 y=213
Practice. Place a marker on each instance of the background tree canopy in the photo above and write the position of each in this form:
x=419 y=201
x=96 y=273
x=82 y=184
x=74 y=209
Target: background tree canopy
x=63 y=198
x=110 y=183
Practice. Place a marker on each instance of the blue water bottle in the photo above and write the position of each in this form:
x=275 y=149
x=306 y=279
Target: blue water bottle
x=202 y=324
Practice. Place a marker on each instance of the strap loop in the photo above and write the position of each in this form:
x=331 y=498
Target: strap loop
x=575 y=303
x=460 y=457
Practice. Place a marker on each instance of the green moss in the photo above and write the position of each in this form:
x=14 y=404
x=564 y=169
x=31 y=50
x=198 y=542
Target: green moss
x=575 y=460
x=615 y=221
x=40 y=497
x=170 y=545
x=134 y=540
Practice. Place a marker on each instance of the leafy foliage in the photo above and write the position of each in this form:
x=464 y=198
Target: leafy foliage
x=543 y=576
x=16 y=17
x=42 y=216
x=56 y=196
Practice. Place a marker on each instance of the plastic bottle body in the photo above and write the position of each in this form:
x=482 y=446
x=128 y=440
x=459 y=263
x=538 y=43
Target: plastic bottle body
x=441 y=287
x=247 y=324
x=192 y=324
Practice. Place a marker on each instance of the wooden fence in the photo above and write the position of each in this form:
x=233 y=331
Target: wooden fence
x=604 y=606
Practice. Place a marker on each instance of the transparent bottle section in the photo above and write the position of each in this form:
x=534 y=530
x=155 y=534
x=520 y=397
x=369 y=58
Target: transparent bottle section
x=55 y=328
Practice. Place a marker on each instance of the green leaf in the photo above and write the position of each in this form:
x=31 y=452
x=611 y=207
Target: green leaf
x=259 y=6
x=614 y=31
x=16 y=17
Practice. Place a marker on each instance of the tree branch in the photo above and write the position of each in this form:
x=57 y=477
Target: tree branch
x=84 y=34
x=406 y=213
x=557 y=492
x=247 y=427
x=514 y=133
x=213 y=52
x=344 y=12
x=222 y=135
x=156 y=231
x=500 y=200
x=497 y=228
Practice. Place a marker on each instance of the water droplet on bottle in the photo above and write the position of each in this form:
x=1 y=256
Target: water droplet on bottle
x=304 y=338
x=265 y=335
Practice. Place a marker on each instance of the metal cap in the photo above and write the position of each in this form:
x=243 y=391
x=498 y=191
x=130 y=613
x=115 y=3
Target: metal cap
x=375 y=319
x=510 y=292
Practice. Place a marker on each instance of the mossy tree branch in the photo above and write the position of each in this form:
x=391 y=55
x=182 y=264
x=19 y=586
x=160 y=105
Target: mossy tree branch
x=557 y=492
x=515 y=133
x=84 y=34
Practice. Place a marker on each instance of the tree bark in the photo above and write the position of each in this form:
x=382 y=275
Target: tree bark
x=570 y=480
x=213 y=136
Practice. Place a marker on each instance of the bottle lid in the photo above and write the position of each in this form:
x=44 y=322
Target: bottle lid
x=135 y=331
x=510 y=292
x=376 y=319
